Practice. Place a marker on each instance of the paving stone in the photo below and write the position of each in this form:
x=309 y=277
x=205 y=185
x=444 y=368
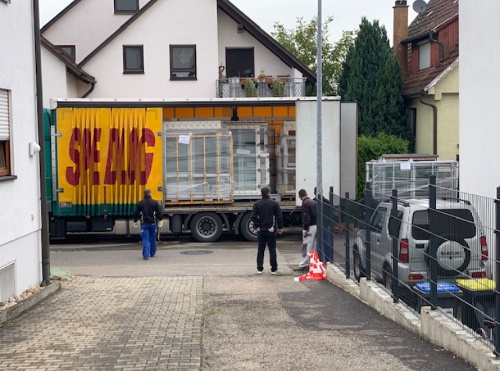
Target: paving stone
x=96 y=323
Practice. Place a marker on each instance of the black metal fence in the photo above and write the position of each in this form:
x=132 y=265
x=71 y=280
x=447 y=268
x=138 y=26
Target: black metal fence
x=445 y=248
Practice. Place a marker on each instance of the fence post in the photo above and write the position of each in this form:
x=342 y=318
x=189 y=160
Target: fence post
x=347 y=223
x=329 y=230
x=432 y=250
x=319 y=227
x=497 y=275
x=368 y=216
x=394 y=231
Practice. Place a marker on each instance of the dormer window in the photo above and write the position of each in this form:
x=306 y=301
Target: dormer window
x=126 y=6
x=424 y=55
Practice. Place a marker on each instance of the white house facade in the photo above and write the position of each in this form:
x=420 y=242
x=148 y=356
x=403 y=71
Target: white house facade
x=61 y=76
x=165 y=49
x=479 y=82
x=20 y=237
x=99 y=19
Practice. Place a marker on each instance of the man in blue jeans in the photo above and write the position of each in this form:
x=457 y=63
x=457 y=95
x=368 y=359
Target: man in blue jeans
x=150 y=213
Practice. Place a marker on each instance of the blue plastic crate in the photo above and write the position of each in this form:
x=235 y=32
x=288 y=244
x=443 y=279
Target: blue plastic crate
x=442 y=287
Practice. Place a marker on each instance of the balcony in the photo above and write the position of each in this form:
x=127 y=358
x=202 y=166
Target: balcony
x=234 y=87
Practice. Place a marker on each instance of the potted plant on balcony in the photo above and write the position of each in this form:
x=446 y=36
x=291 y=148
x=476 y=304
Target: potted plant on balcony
x=277 y=88
x=262 y=76
x=250 y=90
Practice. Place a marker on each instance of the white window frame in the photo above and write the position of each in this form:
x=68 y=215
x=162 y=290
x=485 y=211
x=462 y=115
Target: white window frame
x=5 y=137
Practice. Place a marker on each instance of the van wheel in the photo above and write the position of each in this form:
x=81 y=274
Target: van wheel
x=358 y=268
x=388 y=278
x=247 y=229
x=206 y=227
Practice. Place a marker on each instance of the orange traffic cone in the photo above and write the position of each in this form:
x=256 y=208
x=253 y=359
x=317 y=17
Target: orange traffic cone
x=316 y=269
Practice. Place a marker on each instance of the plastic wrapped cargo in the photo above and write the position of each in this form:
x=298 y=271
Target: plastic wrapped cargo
x=410 y=178
x=198 y=167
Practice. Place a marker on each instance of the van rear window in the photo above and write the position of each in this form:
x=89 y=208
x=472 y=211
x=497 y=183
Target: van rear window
x=459 y=222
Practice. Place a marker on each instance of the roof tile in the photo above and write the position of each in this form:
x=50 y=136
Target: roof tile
x=437 y=12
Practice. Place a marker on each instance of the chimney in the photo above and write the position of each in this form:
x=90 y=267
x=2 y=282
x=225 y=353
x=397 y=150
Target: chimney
x=400 y=33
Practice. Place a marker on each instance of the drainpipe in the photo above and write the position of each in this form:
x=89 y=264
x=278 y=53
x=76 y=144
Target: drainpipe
x=435 y=115
x=90 y=90
x=41 y=141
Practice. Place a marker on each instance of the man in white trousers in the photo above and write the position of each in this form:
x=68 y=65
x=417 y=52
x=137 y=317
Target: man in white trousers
x=308 y=228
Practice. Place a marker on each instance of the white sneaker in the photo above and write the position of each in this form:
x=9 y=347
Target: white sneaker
x=277 y=271
x=259 y=272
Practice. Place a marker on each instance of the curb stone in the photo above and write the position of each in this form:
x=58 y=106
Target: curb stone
x=16 y=310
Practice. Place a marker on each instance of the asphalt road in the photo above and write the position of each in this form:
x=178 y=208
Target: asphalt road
x=264 y=322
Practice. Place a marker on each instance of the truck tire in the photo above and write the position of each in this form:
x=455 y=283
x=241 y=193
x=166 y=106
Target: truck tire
x=206 y=227
x=246 y=228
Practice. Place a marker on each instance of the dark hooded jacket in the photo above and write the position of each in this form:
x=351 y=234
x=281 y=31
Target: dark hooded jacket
x=148 y=210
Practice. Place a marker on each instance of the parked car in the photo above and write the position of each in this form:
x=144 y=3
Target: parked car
x=462 y=248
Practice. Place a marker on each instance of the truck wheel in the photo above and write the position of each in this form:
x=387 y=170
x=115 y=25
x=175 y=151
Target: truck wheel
x=247 y=229
x=206 y=227
x=358 y=268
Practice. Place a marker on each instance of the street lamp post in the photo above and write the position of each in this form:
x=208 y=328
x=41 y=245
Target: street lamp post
x=319 y=144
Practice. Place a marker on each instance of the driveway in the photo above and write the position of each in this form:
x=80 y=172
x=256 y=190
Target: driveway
x=189 y=311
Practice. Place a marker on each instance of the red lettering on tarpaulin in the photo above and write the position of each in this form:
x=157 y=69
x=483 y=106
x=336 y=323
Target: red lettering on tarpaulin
x=84 y=152
x=134 y=158
x=110 y=175
x=149 y=139
x=73 y=174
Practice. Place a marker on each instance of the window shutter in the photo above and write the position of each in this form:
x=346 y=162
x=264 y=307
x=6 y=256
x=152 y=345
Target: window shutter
x=424 y=51
x=4 y=115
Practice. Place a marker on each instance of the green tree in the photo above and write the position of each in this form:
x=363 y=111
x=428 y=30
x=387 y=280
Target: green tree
x=302 y=43
x=371 y=75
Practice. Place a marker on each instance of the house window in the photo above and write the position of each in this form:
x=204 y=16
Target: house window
x=133 y=59
x=126 y=6
x=4 y=133
x=183 y=62
x=240 y=62
x=424 y=55
x=70 y=50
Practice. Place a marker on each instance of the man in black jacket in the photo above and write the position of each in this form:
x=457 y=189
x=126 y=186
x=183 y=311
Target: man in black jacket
x=149 y=211
x=308 y=227
x=266 y=217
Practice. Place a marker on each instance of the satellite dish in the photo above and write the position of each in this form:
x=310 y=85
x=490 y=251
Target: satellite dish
x=419 y=6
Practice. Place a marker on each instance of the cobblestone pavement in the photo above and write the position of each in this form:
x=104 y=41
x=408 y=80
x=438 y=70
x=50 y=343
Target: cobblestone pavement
x=95 y=323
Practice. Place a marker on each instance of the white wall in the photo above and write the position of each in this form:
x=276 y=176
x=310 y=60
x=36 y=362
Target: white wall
x=57 y=82
x=20 y=198
x=307 y=146
x=87 y=25
x=479 y=83
x=264 y=58
x=167 y=22
x=54 y=76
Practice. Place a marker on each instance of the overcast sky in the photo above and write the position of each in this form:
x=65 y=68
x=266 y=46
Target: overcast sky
x=347 y=14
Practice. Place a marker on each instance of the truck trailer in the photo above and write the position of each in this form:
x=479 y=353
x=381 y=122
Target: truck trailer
x=204 y=160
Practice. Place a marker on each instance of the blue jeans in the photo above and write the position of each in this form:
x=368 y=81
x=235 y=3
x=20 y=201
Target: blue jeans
x=148 y=235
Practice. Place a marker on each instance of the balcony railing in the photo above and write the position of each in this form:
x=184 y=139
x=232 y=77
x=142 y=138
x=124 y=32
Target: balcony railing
x=234 y=87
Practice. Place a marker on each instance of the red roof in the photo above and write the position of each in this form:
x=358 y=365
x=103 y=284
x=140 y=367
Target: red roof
x=438 y=12
x=416 y=82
